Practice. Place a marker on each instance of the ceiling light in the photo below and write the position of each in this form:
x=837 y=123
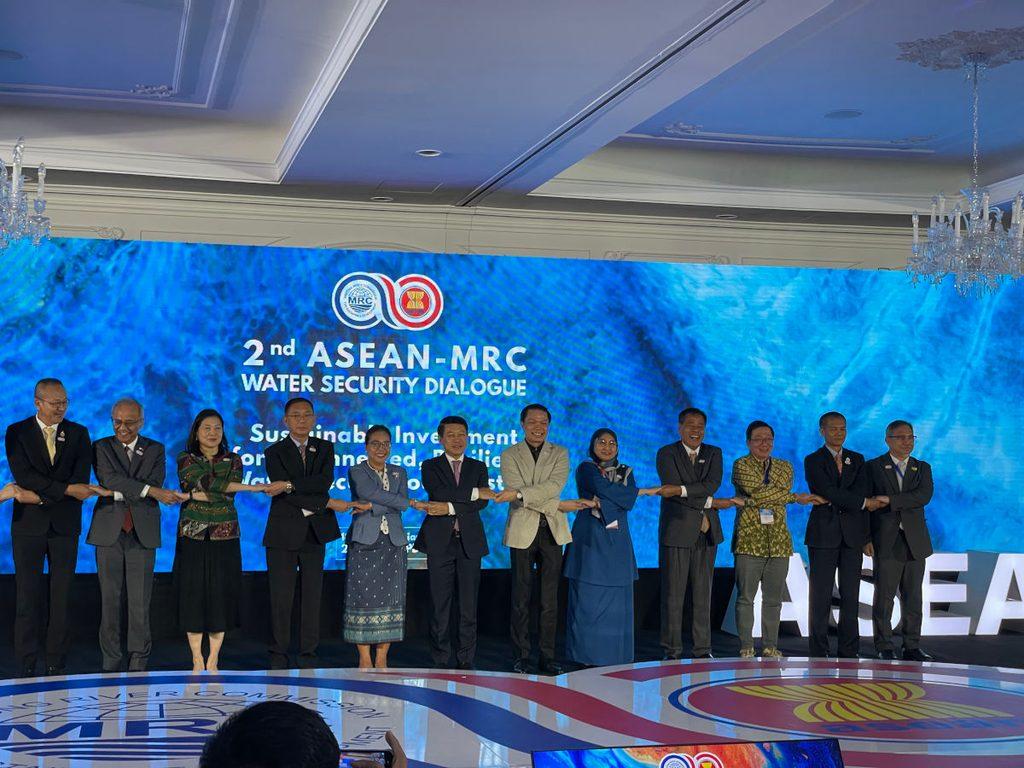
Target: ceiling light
x=382 y=199
x=843 y=114
x=970 y=243
x=726 y=216
x=18 y=218
x=428 y=152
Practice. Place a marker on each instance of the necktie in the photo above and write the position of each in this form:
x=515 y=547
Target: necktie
x=128 y=523
x=693 y=457
x=901 y=468
x=302 y=454
x=51 y=442
x=839 y=462
x=457 y=471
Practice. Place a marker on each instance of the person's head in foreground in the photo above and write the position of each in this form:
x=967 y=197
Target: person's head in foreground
x=279 y=734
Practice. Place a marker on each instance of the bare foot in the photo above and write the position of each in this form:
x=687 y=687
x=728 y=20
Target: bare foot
x=211 y=664
x=197 y=666
x=365 y=665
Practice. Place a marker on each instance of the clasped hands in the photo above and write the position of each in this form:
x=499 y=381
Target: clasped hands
x=875 y=502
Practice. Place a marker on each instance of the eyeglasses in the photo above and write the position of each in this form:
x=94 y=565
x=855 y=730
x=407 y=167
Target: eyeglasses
x=606 y=443
x=378 y=445
x=129 y=423
x=902 y=437
x=56 y=403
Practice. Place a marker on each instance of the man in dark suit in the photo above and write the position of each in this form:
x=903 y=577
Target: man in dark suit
x=900 y=541
x=301 y=472
x=837 y=533
x=50 y=456
x=125 y=530
x=452 y=537
x=689 y=532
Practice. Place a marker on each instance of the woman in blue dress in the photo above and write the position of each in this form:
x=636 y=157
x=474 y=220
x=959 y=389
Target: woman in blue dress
x=375 y=580
x=600 y=564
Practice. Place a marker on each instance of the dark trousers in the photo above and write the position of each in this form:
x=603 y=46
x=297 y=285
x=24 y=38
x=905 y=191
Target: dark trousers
x=282 y=567
x=824 y=562
x=30 y=553
x=125 y=569
x=548 y=556
x=896 y=572
x=679 y=567
x=447 y=571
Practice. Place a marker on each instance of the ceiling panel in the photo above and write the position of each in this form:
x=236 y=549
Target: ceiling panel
x=845 y=61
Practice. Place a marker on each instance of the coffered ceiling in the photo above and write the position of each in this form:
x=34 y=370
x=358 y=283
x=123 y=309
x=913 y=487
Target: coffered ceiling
x=762 y=109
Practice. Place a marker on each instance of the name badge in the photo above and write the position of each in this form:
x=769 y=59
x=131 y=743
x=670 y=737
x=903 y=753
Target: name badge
x=767 y=516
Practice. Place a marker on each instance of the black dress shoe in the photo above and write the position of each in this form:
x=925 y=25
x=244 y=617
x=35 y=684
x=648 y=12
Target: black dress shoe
x=52 y=670
x=522 y=667
x=277 y=661
x=550 y=667
x=887 y=655
x=465 y=665
x=671 y=657
x=308 y=661
x=707 y=655
x=916 y=654
x=28 y=671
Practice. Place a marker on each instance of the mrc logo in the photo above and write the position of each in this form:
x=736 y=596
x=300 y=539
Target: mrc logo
x=364 y=299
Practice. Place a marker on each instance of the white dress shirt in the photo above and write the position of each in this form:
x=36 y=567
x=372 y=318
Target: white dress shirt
x=691 y=453
x=129 y=448
x=301 y=446
x=451 y=460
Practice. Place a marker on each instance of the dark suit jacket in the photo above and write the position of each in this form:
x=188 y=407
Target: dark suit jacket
x=149 y=467
x=842 y=520
x=30 y=465
x=906 y=506
x=679 y=521
x=286 y=525
x=439 y=483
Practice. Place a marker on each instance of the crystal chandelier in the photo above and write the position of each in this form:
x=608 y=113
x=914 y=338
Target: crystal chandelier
x=970 y=243
x=16 y=222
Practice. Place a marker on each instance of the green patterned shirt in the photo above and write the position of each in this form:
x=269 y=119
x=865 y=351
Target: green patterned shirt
x=212 y=476
x=751 y=536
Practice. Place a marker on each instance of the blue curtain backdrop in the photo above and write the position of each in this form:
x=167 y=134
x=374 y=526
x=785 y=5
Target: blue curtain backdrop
x=616 y=344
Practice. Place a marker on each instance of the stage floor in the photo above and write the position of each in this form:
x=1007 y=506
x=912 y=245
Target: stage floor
x=931 y=715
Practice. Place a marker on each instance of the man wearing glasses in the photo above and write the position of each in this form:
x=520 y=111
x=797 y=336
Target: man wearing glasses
x=125 y=530
x=301 y=472
x=899 y=540
x=48 y=456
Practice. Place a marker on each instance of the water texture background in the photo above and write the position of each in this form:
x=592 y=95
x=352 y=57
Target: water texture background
x=616 y=344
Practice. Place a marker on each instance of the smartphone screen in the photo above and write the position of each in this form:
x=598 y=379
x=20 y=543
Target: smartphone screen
x=350 y=756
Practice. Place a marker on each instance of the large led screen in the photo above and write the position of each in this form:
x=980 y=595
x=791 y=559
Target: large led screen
x=403 y=339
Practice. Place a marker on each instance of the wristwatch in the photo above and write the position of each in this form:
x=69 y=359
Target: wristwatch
x=288 y=487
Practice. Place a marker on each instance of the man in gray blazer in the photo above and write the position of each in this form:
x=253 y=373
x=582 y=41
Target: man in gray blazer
x=126 y=531
x=534 y=472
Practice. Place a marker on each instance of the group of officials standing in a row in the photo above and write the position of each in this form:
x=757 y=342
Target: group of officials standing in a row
x=859 y=507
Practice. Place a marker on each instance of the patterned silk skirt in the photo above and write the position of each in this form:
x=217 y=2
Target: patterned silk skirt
x=375 y=592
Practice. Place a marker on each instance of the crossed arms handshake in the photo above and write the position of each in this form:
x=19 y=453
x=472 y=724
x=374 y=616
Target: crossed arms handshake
x=83 y=491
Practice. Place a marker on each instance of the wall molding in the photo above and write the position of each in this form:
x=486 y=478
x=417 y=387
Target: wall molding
x=252 y=219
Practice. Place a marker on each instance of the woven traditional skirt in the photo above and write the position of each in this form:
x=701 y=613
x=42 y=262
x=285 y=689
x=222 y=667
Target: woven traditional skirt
x=375 y=592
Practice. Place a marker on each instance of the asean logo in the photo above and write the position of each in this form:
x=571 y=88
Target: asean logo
x=855 y=708
x=699 y=760
x=363 y=299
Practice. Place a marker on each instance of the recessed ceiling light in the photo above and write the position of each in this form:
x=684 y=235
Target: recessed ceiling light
x=6 y=54
x=843 y=114
x=382 y=199
x=726 y=216
x=428 y=152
